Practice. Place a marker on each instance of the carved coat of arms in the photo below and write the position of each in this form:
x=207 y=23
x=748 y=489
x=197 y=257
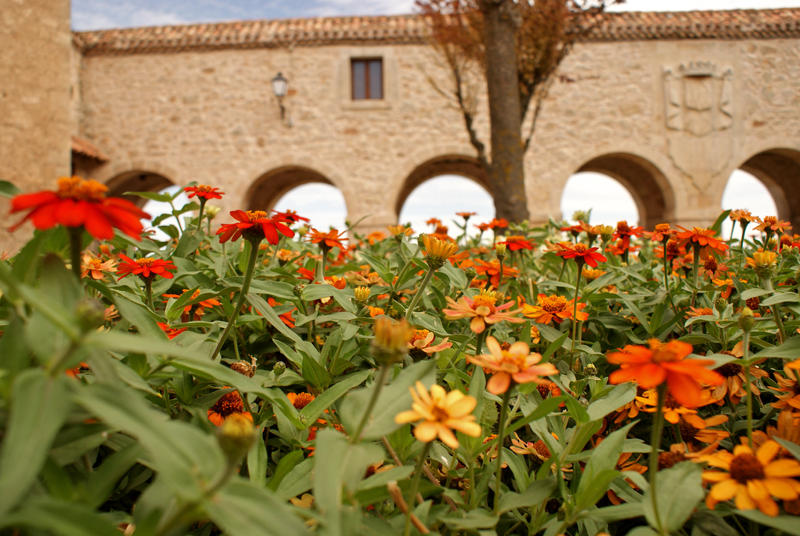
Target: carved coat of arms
x=699 y=115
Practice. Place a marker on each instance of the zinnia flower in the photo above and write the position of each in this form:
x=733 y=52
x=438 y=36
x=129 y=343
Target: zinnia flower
x=204 y=192
x=331 y=239
x=80 y=203
x=146 y=268
x=481 y=309
x=441 y=413
x=170 y=332
x=422 y=341
x=227 y=405
x=95 y=267
x=582 y=254
x=254 y=225
x=517 y=364
x=438 y=250
x=549 y=308
x=290 y=216
x=703 y=239
x=515 y=243
x=650 y=367
x=752 y=479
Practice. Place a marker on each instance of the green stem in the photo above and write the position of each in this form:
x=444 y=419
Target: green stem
x=746 y=365
x=501 y=430
x=148 y=292
x=776 y=313
x=382 y=373
x=248 y=277
x=75 y=248
x=412 y=497
x=655 y=443
x=480 y=340
x=200 y=213
x=176 y=216
x=695 y=270
x=666 y=267
x=500 y=274
x=321 y=276
x=575 y=313
x=420 y=291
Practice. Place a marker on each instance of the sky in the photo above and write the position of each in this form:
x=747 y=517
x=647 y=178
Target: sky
x=609 y=201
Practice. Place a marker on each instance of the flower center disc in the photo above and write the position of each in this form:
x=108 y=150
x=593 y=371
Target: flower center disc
x=746 y=467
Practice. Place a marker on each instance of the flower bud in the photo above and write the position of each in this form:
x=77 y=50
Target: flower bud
x=580 y=215
x=720 y=304
x=212 y=211
x=500 y=250
x=236 y=436
x=278 y=368
x=90 y=313
x=746 y=319
x=391 y=339
x=590 y=370
x=361 y=294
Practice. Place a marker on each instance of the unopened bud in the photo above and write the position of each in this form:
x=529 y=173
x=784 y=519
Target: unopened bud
x=236 y=436
x=746 y=319
x=500 y=250
x=278 y=368
x=720 y=304
x=391 y=339
x=361 y=294
x=590 y=369
x=90 y=313
x=212 y=211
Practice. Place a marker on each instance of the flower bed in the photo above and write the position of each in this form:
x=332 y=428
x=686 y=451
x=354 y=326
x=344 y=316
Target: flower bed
x=272 y=378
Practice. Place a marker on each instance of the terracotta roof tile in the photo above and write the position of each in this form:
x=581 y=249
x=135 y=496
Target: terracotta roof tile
x=399 y=29
x=86 y=148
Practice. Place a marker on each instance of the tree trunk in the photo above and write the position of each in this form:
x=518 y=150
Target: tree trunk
x=506 y=172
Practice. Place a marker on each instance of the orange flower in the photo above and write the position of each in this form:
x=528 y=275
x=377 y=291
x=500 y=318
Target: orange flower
x=285 y=317
x=227 y=405
x=703 y=238
x=515 y=243
x=582 y=254
x=772 y=224
x=481 y=309
x=752 y=478
x=741 y=215
x=549 y=308
x=300 y=400
x=146 y=268
x=491 y=269
x=423 y=341
x=500 y=223
x=441 y=413
x=466 y=215
x=625 y=232
x=290 y=216
x=517 y=364
x=170 y=332
x=375 y=236
x=375 y=311
x=650 y=367
x=96 y=268
x=331 y=239
x=254 y=225
x=204 y=192
x=661 y=233
x=202 y=305
x=80 y=203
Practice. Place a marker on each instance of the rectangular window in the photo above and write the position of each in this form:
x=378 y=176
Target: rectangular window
x=367 y=78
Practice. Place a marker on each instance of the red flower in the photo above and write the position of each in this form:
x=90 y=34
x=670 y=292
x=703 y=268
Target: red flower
x=145 y=268
x=291 y=216
x=254 y=225
x=204 y=192
x=650 y=367
x=515 y=243
x=501 y=223
x=704 y=238
x=171 y=332
x=581 y=253
x=80 y=203
x=331 y=239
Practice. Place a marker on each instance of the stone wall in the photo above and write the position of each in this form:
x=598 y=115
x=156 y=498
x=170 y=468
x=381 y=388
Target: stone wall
x=34 y=97
x=211 y=116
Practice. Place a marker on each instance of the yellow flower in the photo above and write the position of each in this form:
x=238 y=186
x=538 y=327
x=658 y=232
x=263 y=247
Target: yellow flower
x=441 y=413
x=438 y=250
x=391 y=339
x=762 y=259
x=752 y=479
x=361 y=294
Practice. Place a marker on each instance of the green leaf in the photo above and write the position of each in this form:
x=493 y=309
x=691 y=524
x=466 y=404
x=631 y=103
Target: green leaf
x=474 y=519
x=597 y=474
x=793 y=448
x=297 y=480
x=153 y=196
x=781 y=297
x=678 y=491
x=537 y=493
x=272 y=317
x=8 y=189
x=615 y=513
x=718 y=222
x=285 y=465
x=642 y=531
x=456 y=275
x=103 y=479
x=394 y=398
x=65 y=518
x=576 y=410
x=788 y=350
x=39 y=406
x=314 y=374
x=785 y=524
x=312 y=411
x=615 y=399
x=138 y=315
x=754 y=293
x=243 y=509
x=257 y=460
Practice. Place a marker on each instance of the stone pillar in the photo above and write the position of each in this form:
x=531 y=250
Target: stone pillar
x=35 y=47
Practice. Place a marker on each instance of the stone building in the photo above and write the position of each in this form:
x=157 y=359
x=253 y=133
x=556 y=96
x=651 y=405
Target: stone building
x=669 y=104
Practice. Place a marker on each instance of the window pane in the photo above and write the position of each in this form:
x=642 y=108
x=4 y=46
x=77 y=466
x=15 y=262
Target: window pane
x=375 y=79
x=359 y=86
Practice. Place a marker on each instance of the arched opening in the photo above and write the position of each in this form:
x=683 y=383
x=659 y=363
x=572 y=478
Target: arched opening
x=745 y=191
x=645 y=184
x=442 y=186
x=608 y=200
x=778 y=170
x=145 y=181
x=442 y=197
x=307 y=192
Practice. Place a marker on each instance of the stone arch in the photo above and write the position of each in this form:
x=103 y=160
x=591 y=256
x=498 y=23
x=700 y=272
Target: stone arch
x=779 y=170
x=137 y=180
x=449 y=164
x=646 y=183
x=267 y=189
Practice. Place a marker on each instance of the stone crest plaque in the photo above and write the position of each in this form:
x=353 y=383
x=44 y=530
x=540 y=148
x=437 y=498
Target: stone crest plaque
x=698 y=113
